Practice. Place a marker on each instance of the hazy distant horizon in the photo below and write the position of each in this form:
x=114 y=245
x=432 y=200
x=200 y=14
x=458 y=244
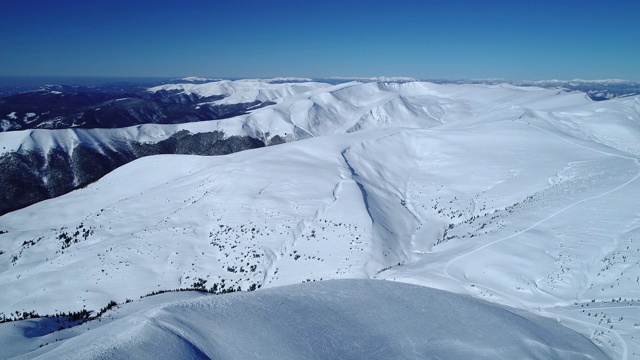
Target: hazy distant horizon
x=41 y=80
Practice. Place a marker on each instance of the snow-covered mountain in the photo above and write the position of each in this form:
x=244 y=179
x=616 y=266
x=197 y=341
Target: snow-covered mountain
x=41 y=164
x=394 y=79
x=598 y=90
x=521 y=196
x=64 y=107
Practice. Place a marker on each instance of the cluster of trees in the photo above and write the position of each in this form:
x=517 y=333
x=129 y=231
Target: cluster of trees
x=71 y=316
x=109 y=306
x=18 y=316
x=217 y=288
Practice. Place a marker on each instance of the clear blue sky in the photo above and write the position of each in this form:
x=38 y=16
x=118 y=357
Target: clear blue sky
x=514 y=39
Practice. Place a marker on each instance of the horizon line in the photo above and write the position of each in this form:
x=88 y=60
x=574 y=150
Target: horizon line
x=381 y=77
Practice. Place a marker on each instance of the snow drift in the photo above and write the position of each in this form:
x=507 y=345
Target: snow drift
x=342 y=319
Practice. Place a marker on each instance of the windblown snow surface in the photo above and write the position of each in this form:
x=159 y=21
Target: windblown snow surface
x=524 y=197
x=338 y=319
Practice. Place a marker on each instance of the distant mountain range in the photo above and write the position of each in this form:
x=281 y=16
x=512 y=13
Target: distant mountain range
x=95 y=135
x=33 y=174
x=596 y=89
x=64 y=107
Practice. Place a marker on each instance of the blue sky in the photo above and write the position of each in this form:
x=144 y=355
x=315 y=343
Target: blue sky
x=513 y=39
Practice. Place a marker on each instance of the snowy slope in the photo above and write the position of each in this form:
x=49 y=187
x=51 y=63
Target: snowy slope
x=347 y=319
x=521 y=196
x=242 y=91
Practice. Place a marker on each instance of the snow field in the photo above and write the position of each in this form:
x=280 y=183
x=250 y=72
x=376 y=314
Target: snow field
x=520 y=196
x=330 y=319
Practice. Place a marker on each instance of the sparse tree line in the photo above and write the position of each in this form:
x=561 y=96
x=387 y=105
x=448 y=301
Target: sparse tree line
x=83 y=315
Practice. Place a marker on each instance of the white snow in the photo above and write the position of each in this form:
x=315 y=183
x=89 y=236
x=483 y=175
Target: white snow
x=5 y=124
x=521 y=196
x=346 y=319
x=196 y=78
x=376 y=79
x=241 y=91
x=289 y=79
